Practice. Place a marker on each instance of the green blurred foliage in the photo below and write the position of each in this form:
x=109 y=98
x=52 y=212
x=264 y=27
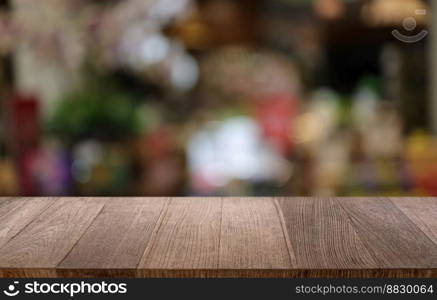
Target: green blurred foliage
x=95 y=112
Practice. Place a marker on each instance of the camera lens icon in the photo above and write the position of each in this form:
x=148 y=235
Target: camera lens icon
x=410 y=24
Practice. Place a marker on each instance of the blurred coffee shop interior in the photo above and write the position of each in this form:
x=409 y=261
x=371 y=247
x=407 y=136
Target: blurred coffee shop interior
x=217 y=98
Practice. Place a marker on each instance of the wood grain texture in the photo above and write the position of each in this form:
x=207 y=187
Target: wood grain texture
x=252 y=236
x=218 y=237
x=16 y=213
x=391 y=237
x=288 y=273
x=187 y=236
x=28 y=273
x=322 y=236
x=117 y=238
x=422 y=211
x=49 y=238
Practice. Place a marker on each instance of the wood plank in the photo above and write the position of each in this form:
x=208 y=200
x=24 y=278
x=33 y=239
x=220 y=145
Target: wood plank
x=49 y=238
x=16 y=213
x=322 y=236
x=287 y=273
x=216 y=237
x=187 y=237
x=252 y=236
x=28 y=273
x=422 y=211
x=117 y=238
x=392 y=238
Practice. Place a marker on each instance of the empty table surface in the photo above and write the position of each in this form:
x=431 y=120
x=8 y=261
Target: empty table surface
x=218 y=237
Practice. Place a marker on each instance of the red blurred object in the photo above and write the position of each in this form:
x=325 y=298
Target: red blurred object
x=24 y=125
x=160 y=143
x=23 y=137
x=275 y=114
x=427 y=183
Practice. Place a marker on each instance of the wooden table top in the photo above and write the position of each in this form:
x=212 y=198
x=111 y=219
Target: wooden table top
x=218 y=237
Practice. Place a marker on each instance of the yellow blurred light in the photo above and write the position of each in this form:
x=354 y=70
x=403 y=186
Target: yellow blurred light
x=307 y=128
x=330 y=9
x=394 y=12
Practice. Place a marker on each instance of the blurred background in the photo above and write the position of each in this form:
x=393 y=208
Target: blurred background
x=218 y=97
